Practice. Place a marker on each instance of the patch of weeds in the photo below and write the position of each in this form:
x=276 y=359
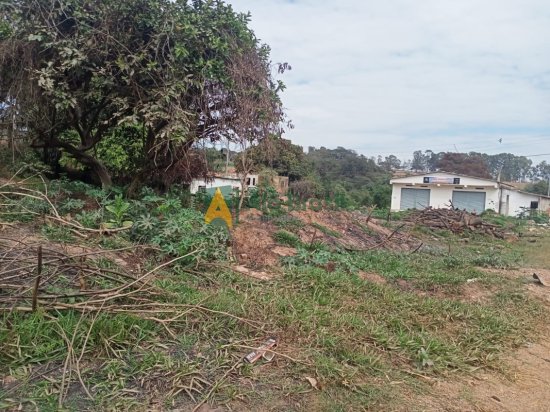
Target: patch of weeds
x=452 y=262
x=22 y=209
x=327 y=231
x=495 y=259
x=306 y=257
x=289 y=223
x=70 y=205
x=179 y=231
x=114 y=242
x=504 y=222
x=90 y=218
x=57 y=233
x=317 y=245
x=286 y=238
x=179 y=291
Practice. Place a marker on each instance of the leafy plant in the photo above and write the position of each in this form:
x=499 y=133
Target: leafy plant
x=119 y=211
x=90 y=218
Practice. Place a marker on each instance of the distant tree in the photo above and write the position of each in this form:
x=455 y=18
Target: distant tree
x=390 y=163
x=540 y=187
x=286 y=158
x=419 y=161
x=461 y=163
x=432 y=160
x=542 y=171
x=507 y=166
x=339 y=168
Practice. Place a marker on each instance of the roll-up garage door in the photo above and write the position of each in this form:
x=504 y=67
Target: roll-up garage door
x=470 y=201
x=415 y=198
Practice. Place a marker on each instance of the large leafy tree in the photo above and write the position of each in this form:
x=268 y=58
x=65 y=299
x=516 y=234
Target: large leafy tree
x=179 y=71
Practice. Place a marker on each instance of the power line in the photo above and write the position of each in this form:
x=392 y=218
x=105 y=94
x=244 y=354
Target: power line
x=536 y=155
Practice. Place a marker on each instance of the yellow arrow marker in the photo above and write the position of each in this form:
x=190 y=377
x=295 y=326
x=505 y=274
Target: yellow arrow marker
x=218 y=210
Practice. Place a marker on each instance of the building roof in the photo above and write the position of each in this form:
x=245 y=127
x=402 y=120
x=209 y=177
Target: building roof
x=440 y=172
x=532 y=194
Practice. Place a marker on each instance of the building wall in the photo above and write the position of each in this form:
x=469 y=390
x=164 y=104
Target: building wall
x=440 y=196
x=221 y=181
x=517 y=200
x=544 y=205
x=442 y=193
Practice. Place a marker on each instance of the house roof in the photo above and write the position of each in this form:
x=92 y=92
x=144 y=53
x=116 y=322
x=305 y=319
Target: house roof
x=440 y=172
x=532 y=194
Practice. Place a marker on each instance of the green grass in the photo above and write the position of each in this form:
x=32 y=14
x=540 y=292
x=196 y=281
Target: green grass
x=286 y=238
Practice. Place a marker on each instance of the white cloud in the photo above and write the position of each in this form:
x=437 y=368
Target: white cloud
x=393 y=76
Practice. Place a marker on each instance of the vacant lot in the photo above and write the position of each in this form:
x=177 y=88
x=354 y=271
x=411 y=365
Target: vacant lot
x=446 y=326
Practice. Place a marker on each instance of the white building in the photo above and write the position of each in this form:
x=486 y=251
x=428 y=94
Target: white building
x=226 y=183
x=441 y=190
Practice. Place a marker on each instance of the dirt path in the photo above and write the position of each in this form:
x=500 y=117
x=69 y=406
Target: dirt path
x=524 y=387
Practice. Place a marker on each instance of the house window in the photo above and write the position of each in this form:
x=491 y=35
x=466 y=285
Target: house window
x=202 y=189
x=248 y=182
x=534 y=205
x=253 y=181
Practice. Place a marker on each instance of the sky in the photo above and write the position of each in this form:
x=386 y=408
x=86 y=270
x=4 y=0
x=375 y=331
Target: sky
x=393 y=76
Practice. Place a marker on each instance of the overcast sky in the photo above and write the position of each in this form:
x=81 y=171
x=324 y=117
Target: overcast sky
x=394 y=76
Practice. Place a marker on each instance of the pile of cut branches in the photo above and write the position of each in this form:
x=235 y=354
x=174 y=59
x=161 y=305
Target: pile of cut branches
x=34 y=277
x=457 y=221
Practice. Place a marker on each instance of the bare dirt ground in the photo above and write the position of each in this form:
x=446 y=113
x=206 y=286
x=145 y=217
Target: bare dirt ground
x=523 y=387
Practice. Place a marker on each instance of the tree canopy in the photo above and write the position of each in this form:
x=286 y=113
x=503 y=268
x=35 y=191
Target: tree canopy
x=281 y=155
x=462 y=163
x=176 y=71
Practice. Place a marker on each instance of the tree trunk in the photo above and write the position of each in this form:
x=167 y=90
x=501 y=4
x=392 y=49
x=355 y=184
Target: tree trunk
x=96 y=167
x=101 y=171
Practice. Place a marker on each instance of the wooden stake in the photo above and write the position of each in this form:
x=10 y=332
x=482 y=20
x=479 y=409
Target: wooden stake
x=37 y=280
